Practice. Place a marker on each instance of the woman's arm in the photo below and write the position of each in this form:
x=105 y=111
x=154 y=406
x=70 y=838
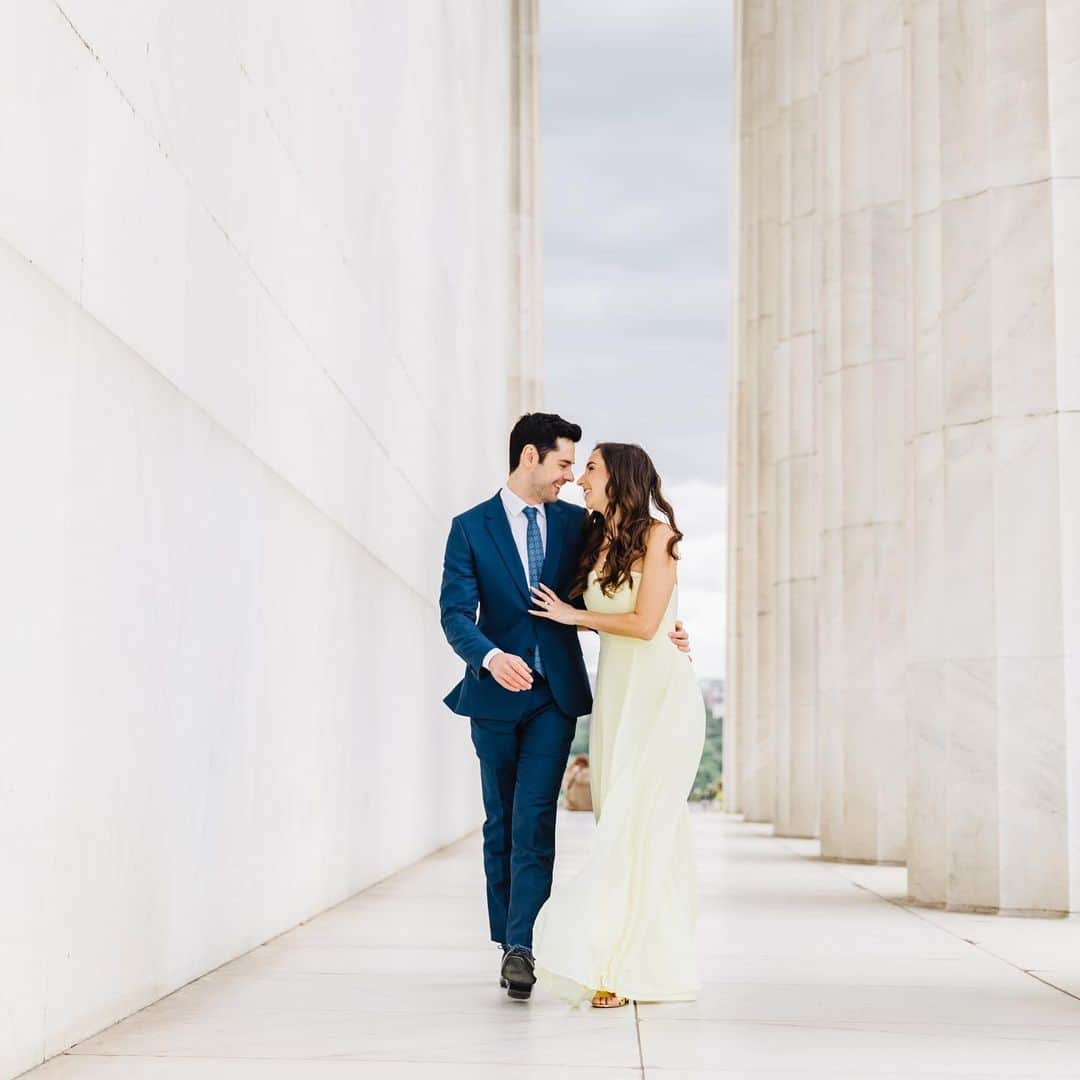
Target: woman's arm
x=653 y=595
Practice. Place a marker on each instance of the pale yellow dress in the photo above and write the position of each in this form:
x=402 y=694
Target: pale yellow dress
x=626 y=921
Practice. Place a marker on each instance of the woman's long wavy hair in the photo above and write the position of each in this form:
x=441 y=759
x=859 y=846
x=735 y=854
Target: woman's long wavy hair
x=633 y=489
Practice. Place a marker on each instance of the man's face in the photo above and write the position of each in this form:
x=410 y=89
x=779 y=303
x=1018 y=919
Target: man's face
x=547 y=477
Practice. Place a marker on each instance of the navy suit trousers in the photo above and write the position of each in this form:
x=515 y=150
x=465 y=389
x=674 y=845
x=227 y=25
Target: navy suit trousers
x=521 y=767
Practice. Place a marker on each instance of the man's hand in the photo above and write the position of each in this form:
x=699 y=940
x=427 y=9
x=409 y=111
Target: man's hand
x=510 y=672
x=681 y=638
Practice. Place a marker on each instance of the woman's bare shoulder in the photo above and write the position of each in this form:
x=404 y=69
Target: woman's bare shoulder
x=659 y=537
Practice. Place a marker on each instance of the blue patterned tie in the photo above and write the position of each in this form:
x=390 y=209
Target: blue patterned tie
x=534 y=547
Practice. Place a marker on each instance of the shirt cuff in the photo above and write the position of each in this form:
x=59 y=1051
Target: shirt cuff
x=486 y=663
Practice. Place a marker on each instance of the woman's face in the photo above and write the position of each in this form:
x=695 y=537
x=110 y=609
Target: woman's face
x=593 y=481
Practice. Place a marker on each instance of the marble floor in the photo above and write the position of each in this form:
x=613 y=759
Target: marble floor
x=812 y=970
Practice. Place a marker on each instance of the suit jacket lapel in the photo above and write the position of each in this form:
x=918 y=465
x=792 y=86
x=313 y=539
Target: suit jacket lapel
x=499 y=528
x=556 y=536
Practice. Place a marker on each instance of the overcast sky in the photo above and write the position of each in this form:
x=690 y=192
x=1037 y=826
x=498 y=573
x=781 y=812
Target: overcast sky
x=636 y=116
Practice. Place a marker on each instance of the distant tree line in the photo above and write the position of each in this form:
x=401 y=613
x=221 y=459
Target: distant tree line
x=709 y=780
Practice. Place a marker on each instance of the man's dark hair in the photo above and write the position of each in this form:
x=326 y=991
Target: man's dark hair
x=542 y=430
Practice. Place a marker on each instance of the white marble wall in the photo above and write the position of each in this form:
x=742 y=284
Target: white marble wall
x=258 y=341
x=946 y=145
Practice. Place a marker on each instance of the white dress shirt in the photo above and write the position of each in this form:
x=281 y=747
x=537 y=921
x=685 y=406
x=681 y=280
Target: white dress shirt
x=514 y=506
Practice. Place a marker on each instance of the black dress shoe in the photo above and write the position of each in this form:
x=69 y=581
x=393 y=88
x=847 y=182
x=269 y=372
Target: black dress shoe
x=518 y=975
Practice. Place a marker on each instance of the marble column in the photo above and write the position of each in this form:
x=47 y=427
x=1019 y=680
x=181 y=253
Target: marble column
x=755 y=706
x=933 y=271
x=526 y=388
x=795 y=425
x=733 y=734
x=994 y=455
x=739 y=706
x=862 y=323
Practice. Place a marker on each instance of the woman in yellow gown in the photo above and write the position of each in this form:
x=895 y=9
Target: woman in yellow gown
x=624 y=926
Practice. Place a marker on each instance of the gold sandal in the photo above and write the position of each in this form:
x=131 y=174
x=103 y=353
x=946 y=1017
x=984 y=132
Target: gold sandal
x=605 y=999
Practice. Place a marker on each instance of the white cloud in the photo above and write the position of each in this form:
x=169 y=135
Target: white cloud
x=701 y=511
x=610 y=18
x=705 y=617
x=701 y=507
x=636 y=117
x=578 y=294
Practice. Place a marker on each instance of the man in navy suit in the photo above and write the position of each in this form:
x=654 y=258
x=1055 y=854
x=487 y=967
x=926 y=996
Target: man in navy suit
x=525 y=683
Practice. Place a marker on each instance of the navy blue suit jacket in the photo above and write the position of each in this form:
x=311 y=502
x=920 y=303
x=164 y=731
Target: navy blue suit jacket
x=482 y=570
